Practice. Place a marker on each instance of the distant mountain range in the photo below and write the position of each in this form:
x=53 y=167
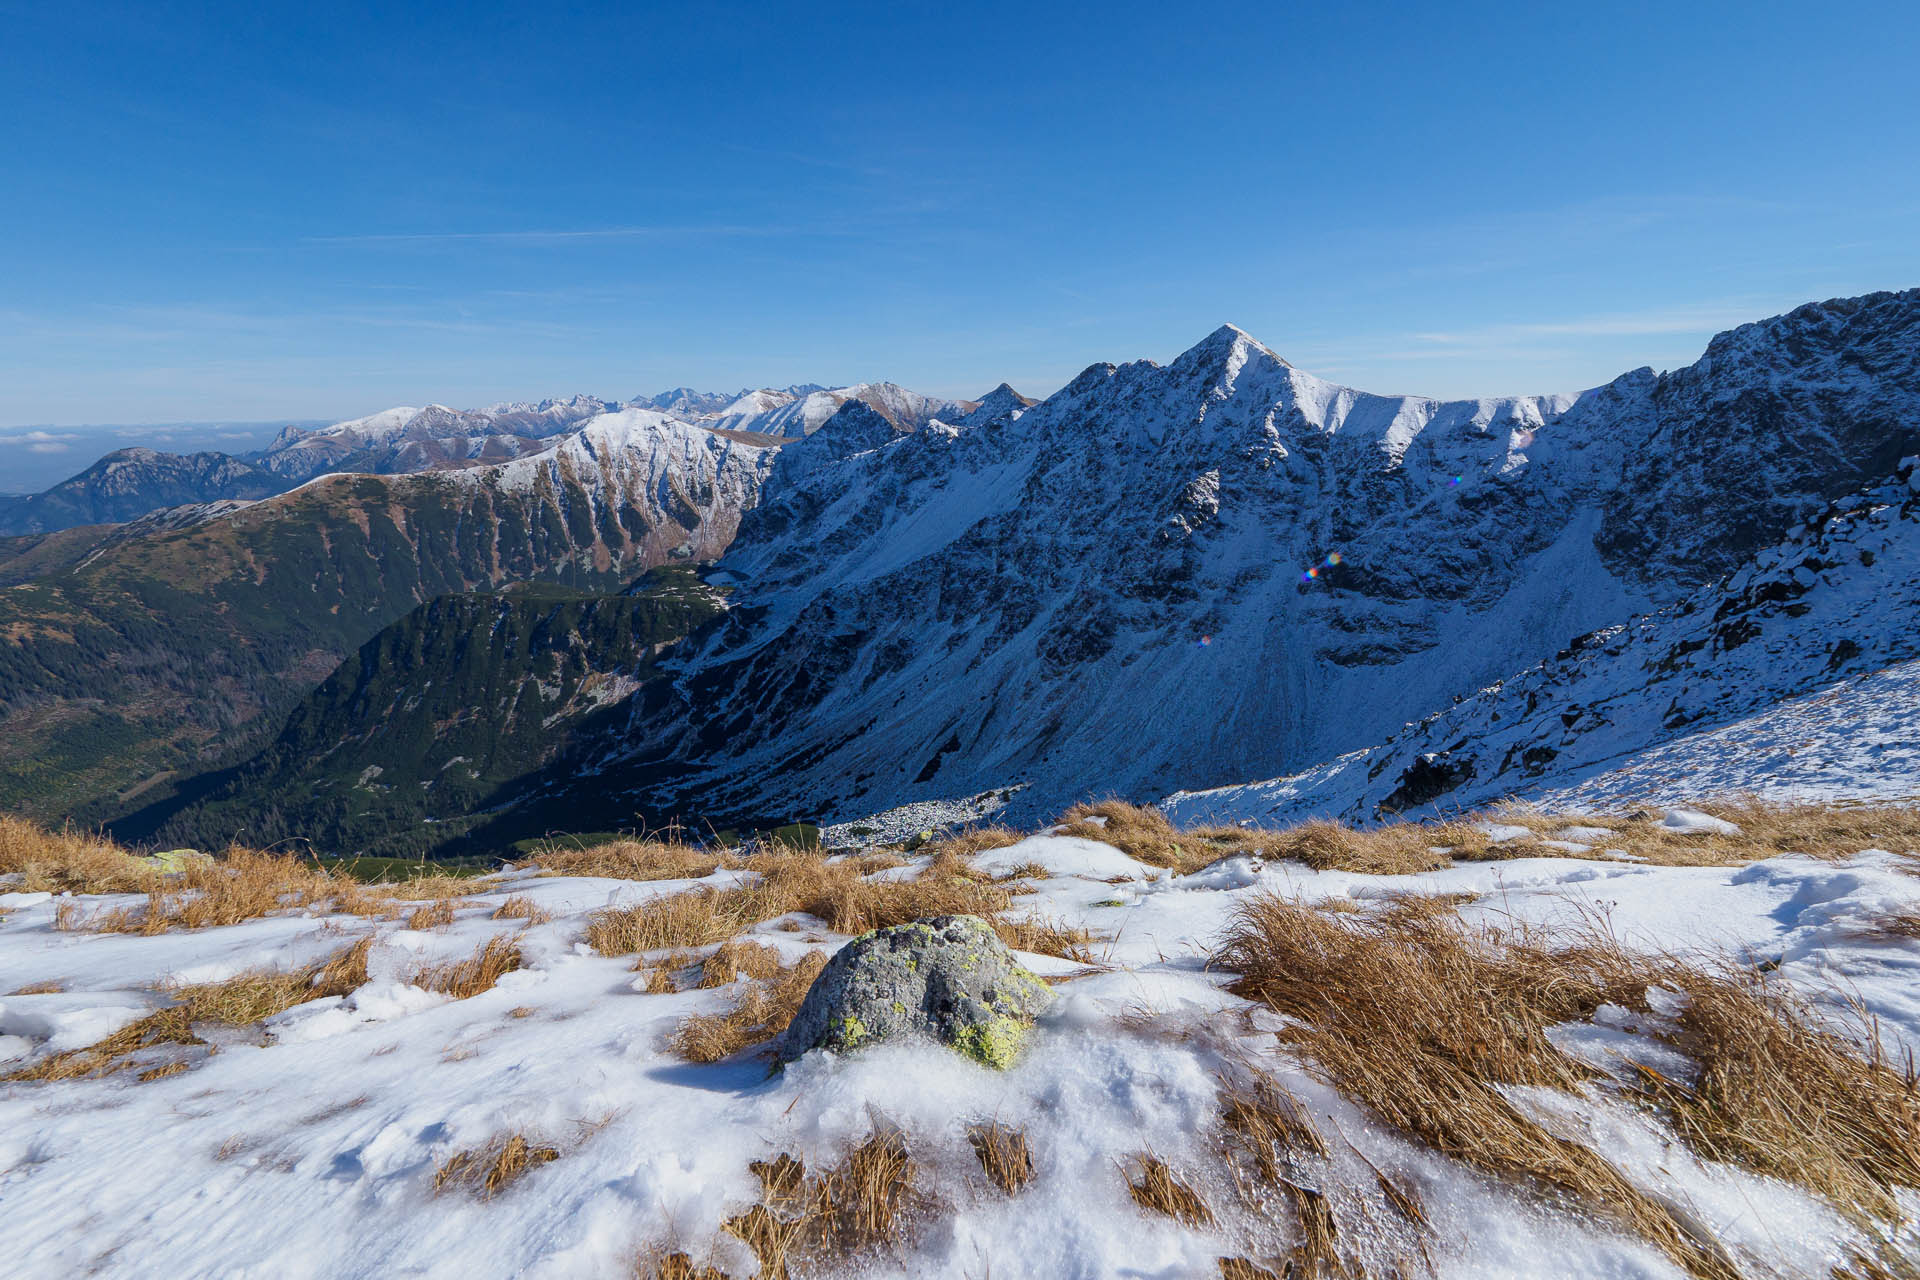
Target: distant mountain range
x=1184 y=579
x=130 y=483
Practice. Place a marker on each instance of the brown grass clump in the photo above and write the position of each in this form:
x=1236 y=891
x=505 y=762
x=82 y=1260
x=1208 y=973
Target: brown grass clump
x=488 y=1170
x=463 y=979
x=1421 y=1020
x=39 y=989
x=739 y=960
x=676 y=1266
x=1156 y=1189
x=168 y=1026
x=971 y=840
x=1003 y=1154
x=835 y=892
x=762 y=1011
x=859 y=1205
x=522 y=908
x=68 y=861
x=1144 y=834
x=242 y=884
x=1405 y=848
x=643 y=859
x=1045 y=937
x=1904 y=923
x=239 y=1000
x=1248 y=1269
x=435 y=915
x=695 y=919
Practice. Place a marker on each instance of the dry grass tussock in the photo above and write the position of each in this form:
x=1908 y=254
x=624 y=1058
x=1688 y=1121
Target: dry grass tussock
x=1004 y=1155
x=1283 y=1166
x=835 y=892
x=68 y=861
x=522 y=908
x=434 y=915
x=487 y=1170
x=238 y=885
x=1405 y=848
x=645 y=858
x=1767 y=830
x=1422 y=1020
x=859 y=1205
x=238 y=1001
x=39 y=989
x=463 y=979
x=1155 y=1188
x=764 y=1006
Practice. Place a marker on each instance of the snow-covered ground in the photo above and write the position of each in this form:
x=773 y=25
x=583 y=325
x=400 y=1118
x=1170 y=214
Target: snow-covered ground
x=310 y=1151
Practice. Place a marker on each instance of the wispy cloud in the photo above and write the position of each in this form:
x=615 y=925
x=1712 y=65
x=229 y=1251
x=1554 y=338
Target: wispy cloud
x=560 y=236
x=1704 y=318
x=38 y=441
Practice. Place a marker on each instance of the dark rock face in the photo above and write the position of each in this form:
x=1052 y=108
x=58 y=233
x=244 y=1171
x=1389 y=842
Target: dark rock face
x=948 y=979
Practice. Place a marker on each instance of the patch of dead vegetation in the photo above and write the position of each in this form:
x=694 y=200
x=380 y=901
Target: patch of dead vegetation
x=435 y=915
x=1423 y=1021
x=762 y=1009
x=675 y=1266
x=464 y=979
x=487 y=1170
x=39 y=989
x=1045 y=937
x=1003 y=1154
x=857 y=1207
x=969 y=841
x=1767 y=830
x=1155 y=1188
x=833 y=891
x=636 y=859
x=241 y=1000
x=68 y=861
x=520 y=907
x=739 y=959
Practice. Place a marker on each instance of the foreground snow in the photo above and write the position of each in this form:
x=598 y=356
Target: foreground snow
x=313 y=1154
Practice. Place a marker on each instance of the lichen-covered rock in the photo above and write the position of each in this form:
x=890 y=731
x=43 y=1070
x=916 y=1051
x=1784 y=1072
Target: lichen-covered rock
x=947 y=978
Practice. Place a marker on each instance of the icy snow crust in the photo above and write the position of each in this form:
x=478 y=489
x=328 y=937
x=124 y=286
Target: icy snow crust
x=310 y=1152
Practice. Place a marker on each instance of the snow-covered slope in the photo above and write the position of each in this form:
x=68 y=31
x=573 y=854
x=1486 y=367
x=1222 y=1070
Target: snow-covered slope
x=1829 y=619
x=1227 y=568
x=307 y=1145
x=405 y=439
x=782 y=413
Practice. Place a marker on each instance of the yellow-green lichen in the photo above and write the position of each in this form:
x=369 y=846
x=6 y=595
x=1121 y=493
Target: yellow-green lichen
x=994 y=1043
x=847 y=1032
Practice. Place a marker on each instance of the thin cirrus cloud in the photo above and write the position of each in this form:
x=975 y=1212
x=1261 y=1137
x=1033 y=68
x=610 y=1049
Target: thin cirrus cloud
x=558 y=236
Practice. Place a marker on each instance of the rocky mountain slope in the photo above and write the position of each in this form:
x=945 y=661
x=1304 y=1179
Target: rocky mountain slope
x=1835 y=605
x=1227 y=568
x=180 y=650
x=128 y=483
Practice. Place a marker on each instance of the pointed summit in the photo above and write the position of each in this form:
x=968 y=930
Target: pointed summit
x=1229 y=345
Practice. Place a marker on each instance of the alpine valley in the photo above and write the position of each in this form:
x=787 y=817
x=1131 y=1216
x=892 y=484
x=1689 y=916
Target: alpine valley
x=1223 y=580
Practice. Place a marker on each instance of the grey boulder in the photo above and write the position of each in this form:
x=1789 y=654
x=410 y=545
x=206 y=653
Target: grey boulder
x=947 y=978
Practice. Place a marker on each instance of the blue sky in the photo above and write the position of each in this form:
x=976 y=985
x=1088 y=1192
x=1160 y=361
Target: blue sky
x=254 y=211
